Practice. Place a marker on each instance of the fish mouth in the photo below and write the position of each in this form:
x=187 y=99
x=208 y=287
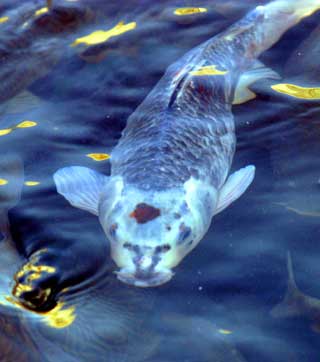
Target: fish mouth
x=144 y=280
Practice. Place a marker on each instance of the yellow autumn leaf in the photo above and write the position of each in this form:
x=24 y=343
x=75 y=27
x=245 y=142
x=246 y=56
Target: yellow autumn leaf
x=98 y=156
x=3 y=181
x=208 y=70
x=189 y=11
x=4 y=19
x=224 y=331
x=32 y=183
x=41 y=11
x=101 y=36
x=26 y=124
x=297 y=91
x=3 y=132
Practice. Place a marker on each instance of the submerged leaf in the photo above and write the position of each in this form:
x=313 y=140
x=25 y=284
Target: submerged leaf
x=297 y=91
x=101 y=36
x=41 y=11
x=224 y=331
x=32 y=183
x=3 y=181
x=4 y=19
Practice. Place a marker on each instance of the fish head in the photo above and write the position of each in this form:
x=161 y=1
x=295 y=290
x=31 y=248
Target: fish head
x=150 y=232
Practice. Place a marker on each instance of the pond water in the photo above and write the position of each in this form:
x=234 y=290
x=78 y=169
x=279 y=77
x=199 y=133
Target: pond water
x=217 y=308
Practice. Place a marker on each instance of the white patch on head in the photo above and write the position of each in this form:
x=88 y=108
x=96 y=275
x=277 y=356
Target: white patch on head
x=152 y=247
x=198 y=192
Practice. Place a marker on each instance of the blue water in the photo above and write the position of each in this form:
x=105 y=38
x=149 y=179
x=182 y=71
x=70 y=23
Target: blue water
x=217 y=306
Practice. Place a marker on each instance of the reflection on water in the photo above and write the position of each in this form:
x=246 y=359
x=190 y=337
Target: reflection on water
x=76 y=100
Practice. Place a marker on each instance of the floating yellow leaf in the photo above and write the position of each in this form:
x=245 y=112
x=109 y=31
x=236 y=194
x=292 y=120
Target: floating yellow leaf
x=189 y=11
x=3 y=181
x=4 y=19
x=26 y=124
x=224 y=331
x=32 y=183
x=297 y=91
x=208 y=70
x=3 y=132
x=101 y=36
x=41 y=11
x=98 y=156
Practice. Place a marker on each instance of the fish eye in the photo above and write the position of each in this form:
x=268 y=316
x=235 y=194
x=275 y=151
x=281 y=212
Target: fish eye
x=185 y=232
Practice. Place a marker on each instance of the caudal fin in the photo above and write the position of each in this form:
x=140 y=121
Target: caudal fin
x=291 y=304
x=299 y=8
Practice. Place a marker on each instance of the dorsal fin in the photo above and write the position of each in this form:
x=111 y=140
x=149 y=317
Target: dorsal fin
x=179 y=86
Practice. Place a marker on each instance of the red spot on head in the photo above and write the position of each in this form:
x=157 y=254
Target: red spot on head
x=144 y=213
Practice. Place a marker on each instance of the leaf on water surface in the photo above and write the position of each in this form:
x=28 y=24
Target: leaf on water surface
x=26 y=124
x=101 y=36
x=208 y=70
x=6 y=131
x=189 y=11
x=98 y=156
x=296 y=91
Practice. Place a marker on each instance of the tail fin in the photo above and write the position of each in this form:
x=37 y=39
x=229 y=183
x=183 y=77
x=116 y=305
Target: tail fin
x=298 y=8
x=291 y=304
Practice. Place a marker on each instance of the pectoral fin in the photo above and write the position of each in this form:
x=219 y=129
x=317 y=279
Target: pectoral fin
x=257 y=72
x=234 y=187
x=81 y=186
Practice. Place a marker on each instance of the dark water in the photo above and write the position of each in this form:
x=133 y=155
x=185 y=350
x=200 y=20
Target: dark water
x=217 y=307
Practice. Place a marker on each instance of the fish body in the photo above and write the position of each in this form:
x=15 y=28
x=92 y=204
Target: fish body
x=170 y=169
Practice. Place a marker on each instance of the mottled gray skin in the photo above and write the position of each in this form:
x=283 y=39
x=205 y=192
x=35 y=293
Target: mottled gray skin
x=185 y=127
